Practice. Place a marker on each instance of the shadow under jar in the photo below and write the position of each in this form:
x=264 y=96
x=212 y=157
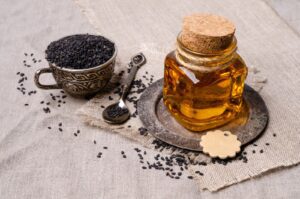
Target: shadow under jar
x=203 y=89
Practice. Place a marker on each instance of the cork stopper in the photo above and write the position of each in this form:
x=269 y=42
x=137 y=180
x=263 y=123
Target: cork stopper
x=206 y=33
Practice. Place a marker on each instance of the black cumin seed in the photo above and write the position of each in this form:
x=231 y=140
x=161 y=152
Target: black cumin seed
x=49 y=127
x=26 y=104
x=75 y=134
x=60 y=129
x=110 y=98
x=78 y=131
x=99 y=155
x=60 y=124
x=129 y=126
x=25 y=54
x=80 y=51
x=102 y=106
x=144 y=167
x=95 y=142
x=124 y=156
x=122 y=152
x=261 y=151
x=253 y=151
x=31 y=54
x=105 y=147
x=274 y=135
x=190 y=177
x=267 y=144
x=42 y=102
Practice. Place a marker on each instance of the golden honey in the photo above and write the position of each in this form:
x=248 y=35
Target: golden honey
x=204 y=90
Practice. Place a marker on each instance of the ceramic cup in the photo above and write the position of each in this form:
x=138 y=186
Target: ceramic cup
x=79 y=82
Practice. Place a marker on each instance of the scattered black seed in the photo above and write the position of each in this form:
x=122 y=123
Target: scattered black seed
x=95 y=142
x=122 y=152
x=102 y=106
x=254 y=144
x=49 y=127
x=80 y=51
x=144 y=167
x=78 y=131
x=25 y=54
x=190 y=177
x=274 y=135
x=105 y=147
x=31 y=54
x=60 y=124
x=48 y=103
x=99 y=155
x=267 y=144
x=225 y=134
x=129 y=126
x=110 y=98
x=253 y=151
x=26 y=104
x=261 y=151
x=60 y=129
x=75 y=134
x=42 y=102
x=124 y=156
x=47 y=110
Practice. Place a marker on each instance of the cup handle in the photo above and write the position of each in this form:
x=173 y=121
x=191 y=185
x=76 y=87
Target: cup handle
x=37 y=79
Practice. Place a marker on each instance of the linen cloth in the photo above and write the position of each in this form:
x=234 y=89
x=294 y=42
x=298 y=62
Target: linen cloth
x=36 y=162
x=269 y=46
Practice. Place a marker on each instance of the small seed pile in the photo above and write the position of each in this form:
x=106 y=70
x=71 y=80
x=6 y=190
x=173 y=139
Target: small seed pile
x=29 y=57
x=116 y=111
x=80 y=51
x=57 y=99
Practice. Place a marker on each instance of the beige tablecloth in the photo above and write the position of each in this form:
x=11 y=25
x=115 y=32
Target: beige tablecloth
x=37 y=162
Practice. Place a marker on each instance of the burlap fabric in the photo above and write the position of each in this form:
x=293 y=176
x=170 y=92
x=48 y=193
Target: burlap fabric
x=260 y=42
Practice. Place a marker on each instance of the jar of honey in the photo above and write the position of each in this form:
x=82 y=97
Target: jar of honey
x=204 y=77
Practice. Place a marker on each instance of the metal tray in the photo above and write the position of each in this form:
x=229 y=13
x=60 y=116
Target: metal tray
x=159 y=122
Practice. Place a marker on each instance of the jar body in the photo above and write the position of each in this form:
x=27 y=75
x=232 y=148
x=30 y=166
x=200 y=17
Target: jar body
x=205 y=97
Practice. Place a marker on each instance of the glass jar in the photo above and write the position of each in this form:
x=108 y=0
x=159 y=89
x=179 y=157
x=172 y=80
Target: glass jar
x=204 y=90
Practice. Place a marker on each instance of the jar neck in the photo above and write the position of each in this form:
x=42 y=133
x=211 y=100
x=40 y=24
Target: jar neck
x=204 y=62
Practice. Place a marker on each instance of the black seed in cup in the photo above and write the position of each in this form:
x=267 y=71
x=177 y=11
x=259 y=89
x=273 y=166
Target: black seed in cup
x=80 y=51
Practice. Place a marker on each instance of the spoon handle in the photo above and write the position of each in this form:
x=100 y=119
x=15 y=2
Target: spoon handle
x=136 y=61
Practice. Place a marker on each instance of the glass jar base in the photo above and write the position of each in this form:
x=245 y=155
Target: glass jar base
x=199 y=125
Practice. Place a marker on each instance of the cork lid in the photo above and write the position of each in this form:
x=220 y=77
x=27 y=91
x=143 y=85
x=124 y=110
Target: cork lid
x=206 y=33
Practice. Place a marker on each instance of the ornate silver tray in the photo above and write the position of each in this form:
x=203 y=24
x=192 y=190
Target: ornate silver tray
x=159 y=122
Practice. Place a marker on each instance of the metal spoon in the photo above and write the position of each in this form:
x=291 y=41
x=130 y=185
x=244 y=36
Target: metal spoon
x=118 y=113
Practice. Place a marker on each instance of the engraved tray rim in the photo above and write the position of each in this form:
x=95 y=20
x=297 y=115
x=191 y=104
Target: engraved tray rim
x=147 y=111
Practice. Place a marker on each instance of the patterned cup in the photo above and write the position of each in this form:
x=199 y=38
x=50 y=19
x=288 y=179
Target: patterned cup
x=79 y=82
